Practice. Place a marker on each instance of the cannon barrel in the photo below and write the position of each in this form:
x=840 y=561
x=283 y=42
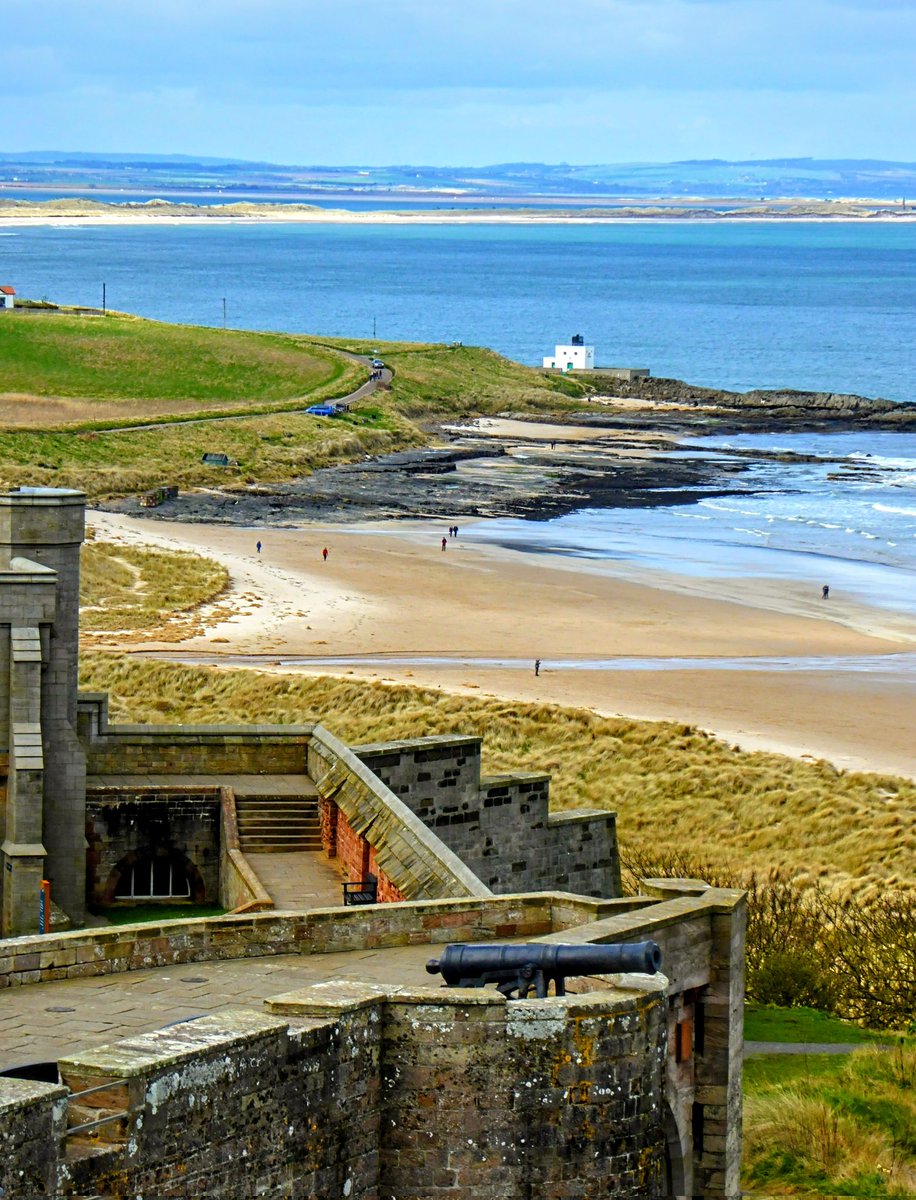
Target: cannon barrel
x=519 y=967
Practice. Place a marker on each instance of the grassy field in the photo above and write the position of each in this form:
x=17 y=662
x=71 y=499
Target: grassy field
x=131 y=589
x=831 y=1126
x=671 y=785
x=70 y=385
x=767 y=1023
x=458 y=381
x=128 y=369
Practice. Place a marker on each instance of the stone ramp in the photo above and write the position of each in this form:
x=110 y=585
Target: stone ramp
x=298 y=881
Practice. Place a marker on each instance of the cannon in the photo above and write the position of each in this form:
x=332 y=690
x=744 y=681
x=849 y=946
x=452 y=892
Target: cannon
x=519 y=968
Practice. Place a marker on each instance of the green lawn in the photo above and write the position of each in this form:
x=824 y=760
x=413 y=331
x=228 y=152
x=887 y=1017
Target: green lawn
x=767 y=1023
x=147 y=914
x=72 y=387
x=129 y=359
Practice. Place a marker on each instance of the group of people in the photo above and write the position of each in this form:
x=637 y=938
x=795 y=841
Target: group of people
x=452 y=533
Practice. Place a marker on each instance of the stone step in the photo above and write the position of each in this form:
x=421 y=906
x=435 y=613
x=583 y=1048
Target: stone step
x=280 y=845
x=312 y=837
x=278 y=824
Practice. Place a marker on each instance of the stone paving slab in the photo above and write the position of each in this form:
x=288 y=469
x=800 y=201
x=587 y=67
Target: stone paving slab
x=45 y=1021
x=299 y=880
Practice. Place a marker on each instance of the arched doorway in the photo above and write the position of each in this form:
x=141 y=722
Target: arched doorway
x=675 y=1177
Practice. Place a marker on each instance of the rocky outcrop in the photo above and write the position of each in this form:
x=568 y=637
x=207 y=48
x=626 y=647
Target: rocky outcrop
x=783 y=407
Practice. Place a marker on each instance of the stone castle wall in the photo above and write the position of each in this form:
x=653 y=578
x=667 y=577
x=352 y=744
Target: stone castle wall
x=351 y=1091
x=460 y=1090
x=500 y=826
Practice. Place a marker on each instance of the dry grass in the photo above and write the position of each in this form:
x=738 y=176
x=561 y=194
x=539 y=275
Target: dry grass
x=127 y=589
x=671 y=785
x=851 y=1134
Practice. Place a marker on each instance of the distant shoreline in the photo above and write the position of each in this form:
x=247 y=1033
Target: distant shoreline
x=19 y=214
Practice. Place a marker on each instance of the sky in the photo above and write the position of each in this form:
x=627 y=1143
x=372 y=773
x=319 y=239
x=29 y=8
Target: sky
x=461 y=82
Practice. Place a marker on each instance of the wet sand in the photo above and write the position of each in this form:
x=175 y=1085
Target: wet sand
x=389 y=590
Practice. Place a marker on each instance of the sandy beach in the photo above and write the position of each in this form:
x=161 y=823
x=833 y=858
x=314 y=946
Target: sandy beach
x=78 y=211
x=388 y=592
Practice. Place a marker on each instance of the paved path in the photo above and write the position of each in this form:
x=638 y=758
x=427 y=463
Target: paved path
x=45 y=1021
x=298 y=881
x=753 y=1048
x=264 y=410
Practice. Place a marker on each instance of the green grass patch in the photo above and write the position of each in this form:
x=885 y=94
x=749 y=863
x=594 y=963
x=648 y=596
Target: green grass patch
x=768 y=1023
x=843 y=1127
x=132 y=360
x=72 y=390
x=763 y=1072
x=149 y=914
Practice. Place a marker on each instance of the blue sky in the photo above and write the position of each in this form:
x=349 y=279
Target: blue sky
x=461 y=81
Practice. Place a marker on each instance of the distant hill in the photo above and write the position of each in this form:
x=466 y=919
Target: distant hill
x=810 y=178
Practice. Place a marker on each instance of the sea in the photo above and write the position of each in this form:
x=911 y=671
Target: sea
x=810 y=305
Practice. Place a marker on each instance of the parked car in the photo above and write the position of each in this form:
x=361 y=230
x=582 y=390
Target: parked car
x=377 y=363
x=322 y=410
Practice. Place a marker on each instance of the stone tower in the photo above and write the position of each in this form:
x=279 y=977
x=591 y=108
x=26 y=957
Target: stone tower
x=43 y=797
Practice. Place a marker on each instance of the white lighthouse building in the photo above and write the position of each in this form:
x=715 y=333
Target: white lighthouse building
x=574 y=357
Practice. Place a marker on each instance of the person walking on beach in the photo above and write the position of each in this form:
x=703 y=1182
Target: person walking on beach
x=444 y=543
x=259 y=547
x=825 y=591
x=324 y=554
x=537 y=666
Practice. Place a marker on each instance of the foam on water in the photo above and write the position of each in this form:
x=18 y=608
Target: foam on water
x=806 y=522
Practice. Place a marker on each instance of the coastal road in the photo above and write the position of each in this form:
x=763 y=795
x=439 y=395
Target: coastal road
x=365 y=389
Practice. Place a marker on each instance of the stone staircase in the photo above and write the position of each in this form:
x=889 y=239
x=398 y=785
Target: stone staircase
x=278 y=824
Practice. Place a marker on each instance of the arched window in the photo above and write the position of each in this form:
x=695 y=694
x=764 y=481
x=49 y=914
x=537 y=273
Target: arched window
x=156 y=875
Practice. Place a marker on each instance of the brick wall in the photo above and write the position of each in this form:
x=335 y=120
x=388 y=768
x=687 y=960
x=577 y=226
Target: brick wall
x=357 y=857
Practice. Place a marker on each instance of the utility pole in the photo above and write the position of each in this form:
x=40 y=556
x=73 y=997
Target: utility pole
x=373 y=326
x=104 y=306
x=224 y=312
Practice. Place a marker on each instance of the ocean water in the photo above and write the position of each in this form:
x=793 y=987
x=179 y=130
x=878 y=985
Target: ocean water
x=770 y=304
x=809 y=305
x=847 y=519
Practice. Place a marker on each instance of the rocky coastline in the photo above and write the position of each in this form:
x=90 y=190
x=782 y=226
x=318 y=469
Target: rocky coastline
x=675 y=406
x=619 y=457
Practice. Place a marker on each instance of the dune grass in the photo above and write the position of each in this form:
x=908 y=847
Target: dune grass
x=671 y=785
x=130 y=588
x=841 y=1128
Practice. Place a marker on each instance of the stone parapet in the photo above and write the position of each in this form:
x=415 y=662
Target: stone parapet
x=347 y=1090
x=500 y=825
x=416 y=862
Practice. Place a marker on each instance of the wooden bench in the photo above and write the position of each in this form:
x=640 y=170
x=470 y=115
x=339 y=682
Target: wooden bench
x=361 y=891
